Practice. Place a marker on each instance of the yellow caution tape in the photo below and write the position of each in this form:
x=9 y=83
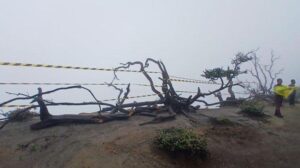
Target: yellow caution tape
x=15 y=106
x=105 y=100
x=98 y=69
x=193 y=81
x=66 y=67
x=90 y=84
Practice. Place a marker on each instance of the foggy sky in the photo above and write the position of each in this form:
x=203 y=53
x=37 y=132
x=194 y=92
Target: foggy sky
x=188 y=35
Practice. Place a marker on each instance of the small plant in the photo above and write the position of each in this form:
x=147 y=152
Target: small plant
x=21 y=158
x=34 y=148
x=222 y=121
x=182 y=142
x=253 y=108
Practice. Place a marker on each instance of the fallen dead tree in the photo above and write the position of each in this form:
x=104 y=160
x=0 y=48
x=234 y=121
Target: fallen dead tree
x=48 y=120
x=167 y=107
x=172 y=103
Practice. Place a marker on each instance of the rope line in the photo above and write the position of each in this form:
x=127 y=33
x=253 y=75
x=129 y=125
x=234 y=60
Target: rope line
x=179 y=79
x=137 y=84
x=66 y=67
x=242 y=93
x=105 y=100
x=193 y=81
x=86 y=84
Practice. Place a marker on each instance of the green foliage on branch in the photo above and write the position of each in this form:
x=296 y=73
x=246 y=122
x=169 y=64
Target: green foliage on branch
x=230 y=73
x=217 y=73
x=241 y=58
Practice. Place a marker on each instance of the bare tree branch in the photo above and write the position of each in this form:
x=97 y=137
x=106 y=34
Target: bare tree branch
x=264 y=74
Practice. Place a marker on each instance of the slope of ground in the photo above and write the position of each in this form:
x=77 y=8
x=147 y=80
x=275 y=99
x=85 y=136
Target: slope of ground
x=249 y=143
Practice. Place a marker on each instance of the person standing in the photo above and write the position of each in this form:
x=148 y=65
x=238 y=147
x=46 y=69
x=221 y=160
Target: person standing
x=292 y=96
x=278 y=99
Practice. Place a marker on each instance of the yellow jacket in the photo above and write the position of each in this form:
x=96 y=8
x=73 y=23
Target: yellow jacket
x=283 y=90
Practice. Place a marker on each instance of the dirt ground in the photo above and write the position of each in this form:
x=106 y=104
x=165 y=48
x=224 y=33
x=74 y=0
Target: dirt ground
x=249 y=143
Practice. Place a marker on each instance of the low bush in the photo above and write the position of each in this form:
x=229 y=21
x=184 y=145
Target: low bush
x=222 y=121
x=253 y=108
x=178 y=141
x=232 y=102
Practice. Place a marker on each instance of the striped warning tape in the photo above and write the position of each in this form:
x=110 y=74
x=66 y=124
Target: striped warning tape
x=105 y=100
x=193 y=81
x=48 y=83
x=137 y=84
x=180 y=79
x=183 y=78
x=132 y=97
x=86 y=84
x=179 y=91
x=171 y=76
x=66 y=67
x=15 y=106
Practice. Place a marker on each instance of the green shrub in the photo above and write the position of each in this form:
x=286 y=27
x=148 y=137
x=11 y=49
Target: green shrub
x=182 y=142
x=253 y=108
x=34 y=148
x=222 y=121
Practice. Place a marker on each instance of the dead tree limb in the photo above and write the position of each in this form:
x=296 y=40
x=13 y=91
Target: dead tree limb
x=175 y=103
x=264 y=74
x=48 y=92
x=48 y=120
x=166 y=108
x=120 y=100
x=269 y=70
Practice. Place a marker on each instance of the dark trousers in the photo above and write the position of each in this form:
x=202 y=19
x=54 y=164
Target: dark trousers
x=278 y=104
x=292 y=99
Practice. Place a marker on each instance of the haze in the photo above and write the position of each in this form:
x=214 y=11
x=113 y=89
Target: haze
x=189 y=36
